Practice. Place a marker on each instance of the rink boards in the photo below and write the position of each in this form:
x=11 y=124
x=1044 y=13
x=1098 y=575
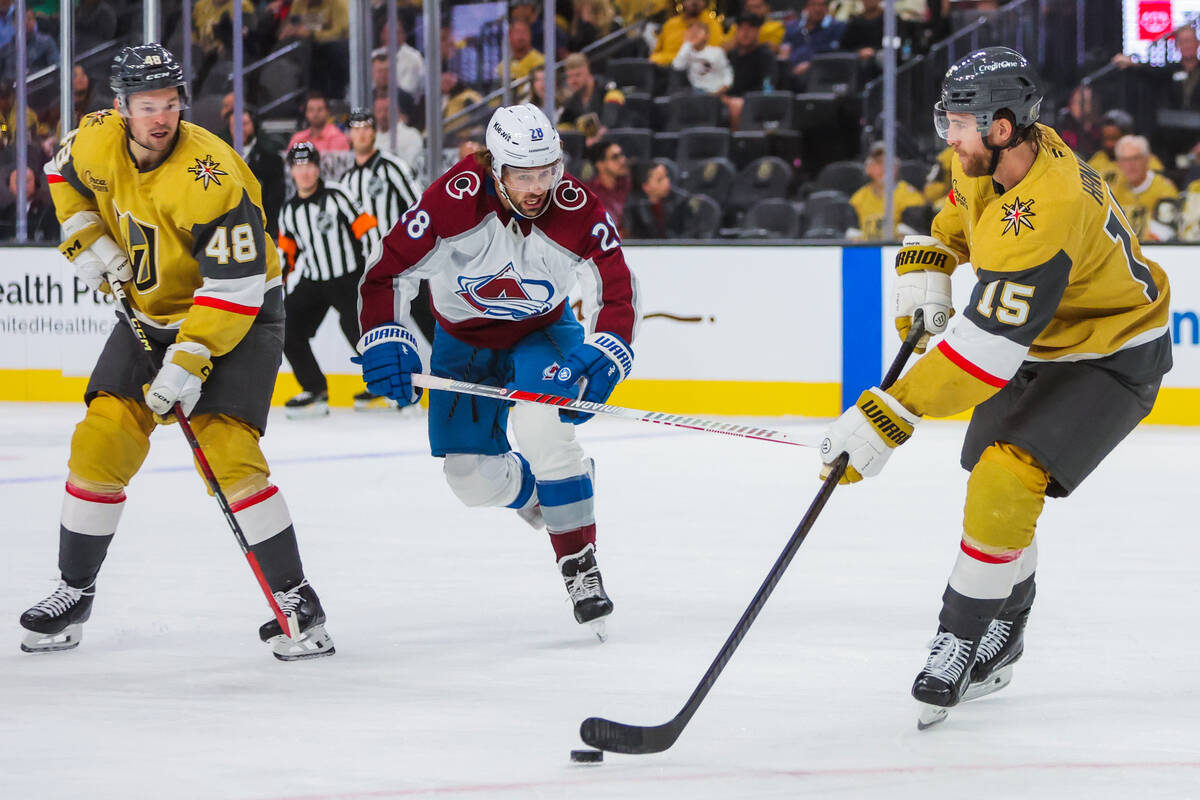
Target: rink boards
x=727 y=330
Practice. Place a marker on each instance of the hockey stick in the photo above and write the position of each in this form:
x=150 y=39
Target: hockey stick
x=286 y=623
x=657 y=417
x=618 y=737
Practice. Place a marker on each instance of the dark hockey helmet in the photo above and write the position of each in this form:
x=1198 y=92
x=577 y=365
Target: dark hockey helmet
x=360 y=118
x=986 y=82
x=143 y=68
x=303 y=153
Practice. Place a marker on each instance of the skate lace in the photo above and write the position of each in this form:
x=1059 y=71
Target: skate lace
x=947 y=656
x=582 y=585
x=994 y=640
x=60 y=600
x=290 y=600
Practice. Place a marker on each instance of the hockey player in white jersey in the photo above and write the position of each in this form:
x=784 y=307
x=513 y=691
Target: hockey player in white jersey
x=502 y=237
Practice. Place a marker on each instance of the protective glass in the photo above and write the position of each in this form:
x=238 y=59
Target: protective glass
x=533 y=179
x=145 y=104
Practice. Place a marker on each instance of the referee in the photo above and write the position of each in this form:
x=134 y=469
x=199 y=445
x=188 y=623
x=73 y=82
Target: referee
x=326 y=236
x=385 y=186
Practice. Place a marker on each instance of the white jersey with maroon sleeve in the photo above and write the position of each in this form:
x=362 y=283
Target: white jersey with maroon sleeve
x=494 y=277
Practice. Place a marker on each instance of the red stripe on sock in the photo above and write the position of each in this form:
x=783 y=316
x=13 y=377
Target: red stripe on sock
x=96 y=497
x=966 y=366
x=568 y=543
x=989 y=558
x=254 y=499
x=225 y=305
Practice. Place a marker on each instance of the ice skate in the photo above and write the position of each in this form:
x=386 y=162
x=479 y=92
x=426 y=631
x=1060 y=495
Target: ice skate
x=305 y=615
x=1000 y=648
x=56 y=623
x=306 y=405
x=586 y=588
x=940 y=685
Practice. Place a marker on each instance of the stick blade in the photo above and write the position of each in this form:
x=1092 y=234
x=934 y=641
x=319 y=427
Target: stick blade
x=617 y=737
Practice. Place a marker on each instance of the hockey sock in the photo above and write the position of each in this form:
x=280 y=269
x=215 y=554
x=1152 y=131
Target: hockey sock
x=1021 y=597
x=569 y=510
x=89 y=520
x=267 y=525
x=978 y=588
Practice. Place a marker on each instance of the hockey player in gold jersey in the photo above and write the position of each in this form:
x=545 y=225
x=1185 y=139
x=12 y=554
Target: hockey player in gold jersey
x=1060 y=351
x=172 y=212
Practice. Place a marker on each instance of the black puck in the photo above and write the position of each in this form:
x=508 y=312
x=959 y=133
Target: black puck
x=587 y=756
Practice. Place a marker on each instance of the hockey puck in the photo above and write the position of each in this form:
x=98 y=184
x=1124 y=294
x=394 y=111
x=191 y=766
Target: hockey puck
x=587 y=756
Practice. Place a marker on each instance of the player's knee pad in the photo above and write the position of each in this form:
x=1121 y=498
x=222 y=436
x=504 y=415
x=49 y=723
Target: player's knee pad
x=1005 y=495
x=479 y=480
x=111 y=442
x=231 y=447
x=547 y=442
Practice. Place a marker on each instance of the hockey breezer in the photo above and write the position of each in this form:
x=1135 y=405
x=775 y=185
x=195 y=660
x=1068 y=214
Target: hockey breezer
x=618 y=737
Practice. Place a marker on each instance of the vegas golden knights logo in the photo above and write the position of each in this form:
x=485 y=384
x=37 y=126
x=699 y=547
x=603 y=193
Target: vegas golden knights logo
x=141 y=243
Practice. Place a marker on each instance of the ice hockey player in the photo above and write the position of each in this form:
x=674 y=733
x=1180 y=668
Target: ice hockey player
x=1060 y=351
x=170 y=210
x=502 y=237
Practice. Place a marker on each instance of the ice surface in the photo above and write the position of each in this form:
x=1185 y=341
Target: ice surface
x=460 y=671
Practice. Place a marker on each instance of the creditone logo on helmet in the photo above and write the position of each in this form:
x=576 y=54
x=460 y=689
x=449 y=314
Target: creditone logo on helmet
x=506 y=294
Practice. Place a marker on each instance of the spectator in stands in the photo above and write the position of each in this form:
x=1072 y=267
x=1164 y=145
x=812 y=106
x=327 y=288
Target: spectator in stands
x=8 y=113
x=208 y=14
x=815 y=32
x=1189 y=217
x=327 y=24
x=631 y=11
x=770 y=33
x=706 y=65
x=868 y=201
x=612 y=183
x=524 y=57
x=937 y=182
x=410 y=64
x=593 y=20
x=1181 y=81
x=410 y=144
x=1141 y=192
x=261 y=151
x=589 y=94
x=658 y=211
x=40 y=220
x=535 y=92
x=864 y=33
x=324 y=135
x=752 y=64
x=8 y=23
x=1114 y=125
x=1079 y=122
x=675 y=31
x=40 y=50
x=456 y=95
x=95 y=23
x=530 y=12
x=87 y=99
x=379 y=78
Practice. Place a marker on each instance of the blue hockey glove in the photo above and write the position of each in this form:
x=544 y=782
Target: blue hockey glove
x=597 y=365
x=389 y=358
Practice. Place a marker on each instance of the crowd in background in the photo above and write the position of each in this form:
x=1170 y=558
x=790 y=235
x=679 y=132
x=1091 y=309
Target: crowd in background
x=739 y=118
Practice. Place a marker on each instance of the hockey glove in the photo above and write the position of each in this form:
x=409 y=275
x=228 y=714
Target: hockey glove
x=923 y=267
x=98 y=260
x=185 y=366
x=597 y=365
x=389 y=358
x=869 y=431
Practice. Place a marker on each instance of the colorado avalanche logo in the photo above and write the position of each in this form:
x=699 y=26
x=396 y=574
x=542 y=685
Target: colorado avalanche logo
x=506 y=294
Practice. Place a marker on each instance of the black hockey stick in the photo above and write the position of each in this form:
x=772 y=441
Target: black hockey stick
x=286 y=623
x=617 y=737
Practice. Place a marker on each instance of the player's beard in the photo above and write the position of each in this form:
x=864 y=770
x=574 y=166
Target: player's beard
x=975 y=165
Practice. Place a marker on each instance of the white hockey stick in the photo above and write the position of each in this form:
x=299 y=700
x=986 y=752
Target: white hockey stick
x=656 y=417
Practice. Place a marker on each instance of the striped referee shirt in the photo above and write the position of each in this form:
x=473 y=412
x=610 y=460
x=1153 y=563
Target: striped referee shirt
x=326 y=235
x=384 y=186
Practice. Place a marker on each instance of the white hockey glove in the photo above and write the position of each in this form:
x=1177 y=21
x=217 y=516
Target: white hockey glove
x=185 y=366
x=99 y=261
x=869 y=431
x=923 y=268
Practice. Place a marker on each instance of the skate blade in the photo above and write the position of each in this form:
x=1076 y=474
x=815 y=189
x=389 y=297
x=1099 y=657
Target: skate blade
x=598 y=627
x=375 y=404
x=999 y=679
x=308 y=412
x=67 y=639
x=314 y=643
x=931 y=715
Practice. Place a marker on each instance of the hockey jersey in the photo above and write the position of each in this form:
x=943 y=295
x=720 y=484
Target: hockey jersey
x=193 y=227
x=1061 y=277
x=1143 y=206
x=494 y=277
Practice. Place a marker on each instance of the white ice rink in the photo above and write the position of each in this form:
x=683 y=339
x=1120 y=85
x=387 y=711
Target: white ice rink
x=460 y=672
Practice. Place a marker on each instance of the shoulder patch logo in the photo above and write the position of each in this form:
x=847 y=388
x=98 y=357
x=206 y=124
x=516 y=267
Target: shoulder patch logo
x=506 y=295
x=97 y=117
x=206 y=170
x=1017 y=215
x=464 y=184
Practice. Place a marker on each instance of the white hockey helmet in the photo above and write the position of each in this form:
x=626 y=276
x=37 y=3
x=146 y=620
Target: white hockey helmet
x=522 y=137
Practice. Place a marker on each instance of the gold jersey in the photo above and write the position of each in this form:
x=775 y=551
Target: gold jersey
x=1061 y=277
x=1142 y=207
x=193 y=227
x=869 y=206
x=1107 y=167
